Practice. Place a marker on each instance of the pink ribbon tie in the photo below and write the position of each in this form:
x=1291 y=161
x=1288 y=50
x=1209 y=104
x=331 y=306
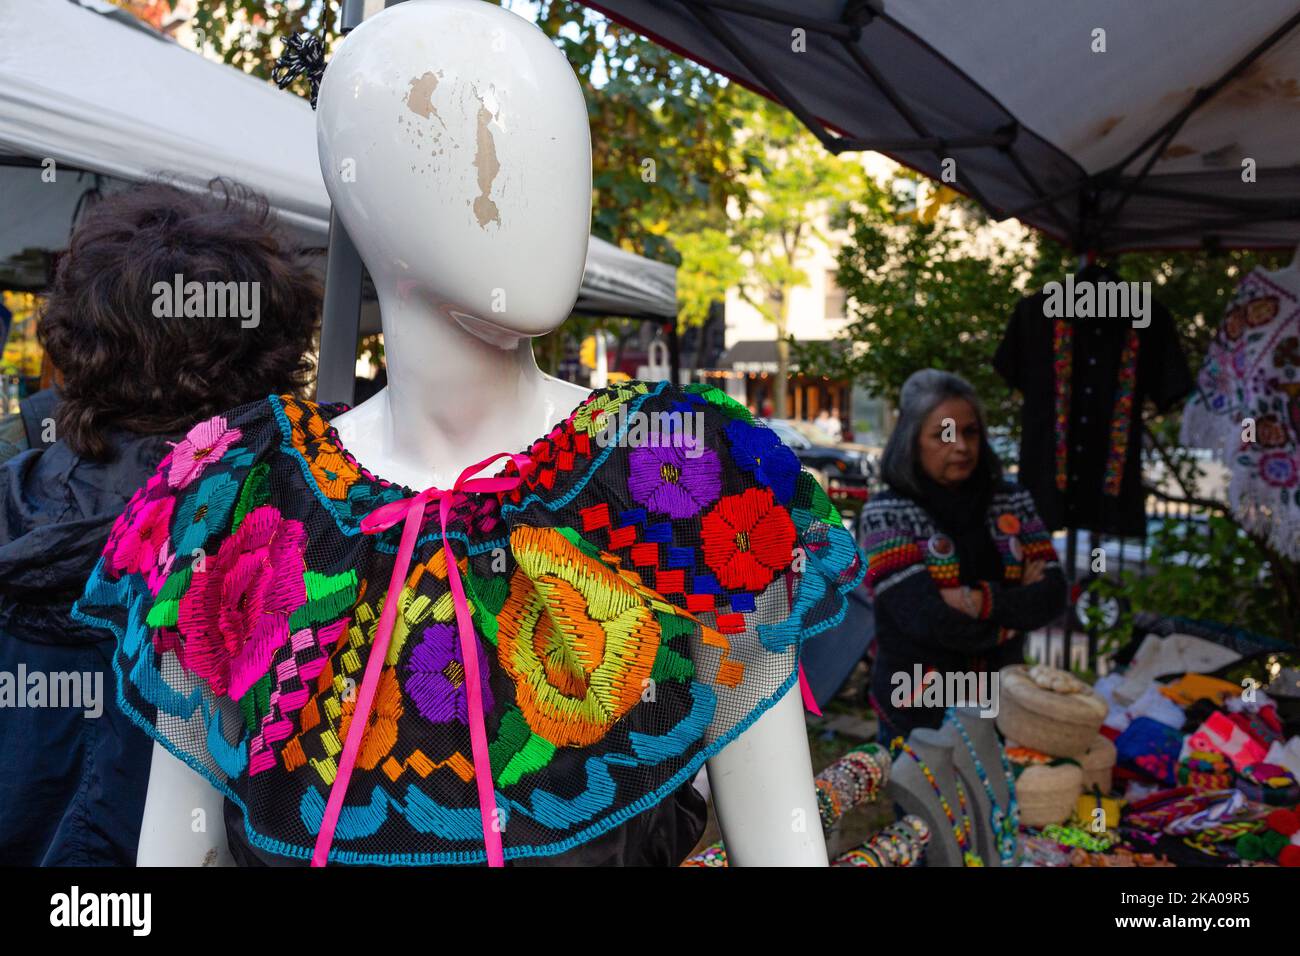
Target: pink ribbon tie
x=410 y=511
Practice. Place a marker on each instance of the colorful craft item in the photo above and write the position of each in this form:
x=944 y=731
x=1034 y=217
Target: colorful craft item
x=1121 y=409
x=900 y=844
x=1221 y=734
x=1277 y=839
x=1190 y=688
x=1268 y=783
x=961 y=831
x=548 y=653
x=1005 y=821
x=1205 y=770
x=854 y=779
x=1086 y=807
x=1150 y=747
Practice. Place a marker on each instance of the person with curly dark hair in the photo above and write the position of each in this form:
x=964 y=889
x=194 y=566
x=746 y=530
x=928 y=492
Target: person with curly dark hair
x=170 y=306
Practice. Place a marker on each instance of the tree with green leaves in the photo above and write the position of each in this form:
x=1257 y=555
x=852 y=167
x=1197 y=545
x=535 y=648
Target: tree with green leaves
x=920 y=295
x=795 y=186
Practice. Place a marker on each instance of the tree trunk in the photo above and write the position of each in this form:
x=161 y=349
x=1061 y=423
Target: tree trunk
x=782 y=384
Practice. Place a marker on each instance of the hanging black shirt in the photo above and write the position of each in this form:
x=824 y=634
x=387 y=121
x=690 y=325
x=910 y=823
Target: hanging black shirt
x=1026 y=359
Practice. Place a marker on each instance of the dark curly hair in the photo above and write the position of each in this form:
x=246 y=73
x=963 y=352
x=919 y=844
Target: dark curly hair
x=120 y=365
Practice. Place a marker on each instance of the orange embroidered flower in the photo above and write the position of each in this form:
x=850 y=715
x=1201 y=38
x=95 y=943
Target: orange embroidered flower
x=577 y=637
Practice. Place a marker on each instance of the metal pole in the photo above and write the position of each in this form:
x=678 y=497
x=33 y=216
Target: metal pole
x=341 y=316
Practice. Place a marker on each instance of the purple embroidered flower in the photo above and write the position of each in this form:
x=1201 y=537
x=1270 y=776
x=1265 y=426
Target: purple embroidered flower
x=435 y=676
x=1278 y=468
x=206 y=442
x=679 y=479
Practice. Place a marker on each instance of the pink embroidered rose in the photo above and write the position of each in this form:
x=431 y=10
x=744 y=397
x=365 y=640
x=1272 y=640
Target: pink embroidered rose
x=235 y=615
x=137 y=548
x=206 y=442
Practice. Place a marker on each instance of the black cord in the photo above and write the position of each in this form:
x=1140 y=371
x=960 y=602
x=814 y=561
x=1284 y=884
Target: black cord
x=304 y=55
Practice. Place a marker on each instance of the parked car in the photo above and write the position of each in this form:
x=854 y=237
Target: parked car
x=842 y=462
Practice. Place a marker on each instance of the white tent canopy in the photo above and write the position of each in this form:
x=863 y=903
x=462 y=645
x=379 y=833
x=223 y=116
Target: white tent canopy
x=86 y=85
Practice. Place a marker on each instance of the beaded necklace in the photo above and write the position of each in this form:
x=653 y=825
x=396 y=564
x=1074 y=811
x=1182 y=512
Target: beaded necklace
x=962 y=831
x=1006 y=823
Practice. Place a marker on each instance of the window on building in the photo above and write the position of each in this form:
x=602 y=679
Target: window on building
x=835 y=297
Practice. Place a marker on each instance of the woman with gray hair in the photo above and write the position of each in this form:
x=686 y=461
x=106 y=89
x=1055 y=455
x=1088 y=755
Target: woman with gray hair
x=960 y=564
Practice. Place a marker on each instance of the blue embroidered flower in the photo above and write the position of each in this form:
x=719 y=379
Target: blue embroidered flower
x=204 y=512
x=756 y=448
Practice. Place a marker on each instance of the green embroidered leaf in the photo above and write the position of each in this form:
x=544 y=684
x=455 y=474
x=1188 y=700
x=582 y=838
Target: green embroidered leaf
x=328 y=597
x=256 y=703
x=488 y=595
x=512 y=734
x=534 y=755
x=167 y=604
x=726 y=404
x=669 y=665
x=255 y=493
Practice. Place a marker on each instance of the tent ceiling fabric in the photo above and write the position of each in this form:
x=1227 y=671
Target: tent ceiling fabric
x=89 y=91
x=86 y=85
x=1015 y=94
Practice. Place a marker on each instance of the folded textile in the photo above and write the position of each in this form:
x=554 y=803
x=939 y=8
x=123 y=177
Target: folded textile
x=1204 y=770
x=1117 y=716
x=1190 y=688
x=1269 y=784
x=1263 y=731
x=1286 y=755
x=1154 y=704
x=1220 y=811
x=1175 y=654
x=1151 y=747
x=1221 y=734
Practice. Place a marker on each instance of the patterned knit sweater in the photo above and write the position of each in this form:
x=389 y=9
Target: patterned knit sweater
x=910 y=561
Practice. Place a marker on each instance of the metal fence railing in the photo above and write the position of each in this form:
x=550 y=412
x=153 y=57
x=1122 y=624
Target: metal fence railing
x=1086 y=556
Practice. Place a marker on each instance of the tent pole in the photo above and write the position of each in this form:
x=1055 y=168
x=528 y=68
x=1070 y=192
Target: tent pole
x=341 y=316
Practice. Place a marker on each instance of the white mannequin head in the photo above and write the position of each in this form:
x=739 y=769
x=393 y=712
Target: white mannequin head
x=454 y=143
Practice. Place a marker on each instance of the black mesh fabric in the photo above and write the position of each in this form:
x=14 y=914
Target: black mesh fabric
x=638 y=601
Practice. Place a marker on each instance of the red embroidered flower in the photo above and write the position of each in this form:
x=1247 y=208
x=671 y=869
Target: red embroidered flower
x=747 y=539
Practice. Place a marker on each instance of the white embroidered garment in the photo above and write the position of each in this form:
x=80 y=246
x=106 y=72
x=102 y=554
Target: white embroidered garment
x=1252 y=374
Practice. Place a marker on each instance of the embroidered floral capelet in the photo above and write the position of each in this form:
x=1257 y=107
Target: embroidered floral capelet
x=636 y=602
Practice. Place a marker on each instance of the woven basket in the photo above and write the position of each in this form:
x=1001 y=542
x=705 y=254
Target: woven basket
x=1099 y=765
x=1046 y=795
x=1062 y=723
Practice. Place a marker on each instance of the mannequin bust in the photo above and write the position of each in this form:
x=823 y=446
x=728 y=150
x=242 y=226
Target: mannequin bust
x=454 y=143
x=983 y=735
x=909 y=788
